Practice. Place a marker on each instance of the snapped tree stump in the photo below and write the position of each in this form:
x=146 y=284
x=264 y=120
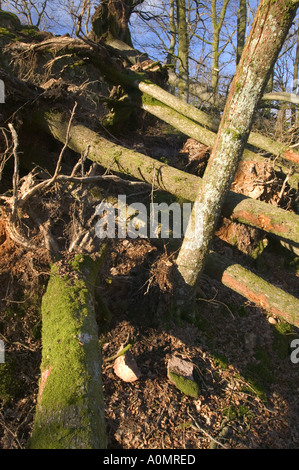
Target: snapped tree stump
x=70 y=403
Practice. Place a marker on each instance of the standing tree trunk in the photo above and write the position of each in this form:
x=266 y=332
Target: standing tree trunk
x=171 y=60
x=217 y=26
x=241 y=28
x=270 y=27
x=183 y=50
x=295 y=116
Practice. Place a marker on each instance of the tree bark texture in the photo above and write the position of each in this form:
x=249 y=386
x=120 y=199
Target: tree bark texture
x=270 y=27
x=70 y=404
x=111 y=20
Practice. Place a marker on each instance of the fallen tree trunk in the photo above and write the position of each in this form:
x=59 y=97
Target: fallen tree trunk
x=207 y=137
x=70 y=403
x=202 y=120
x=270 y=298
x=18 y=90
x=120 y=159
x=204 y=93
x=185 y=109
x=281 y=96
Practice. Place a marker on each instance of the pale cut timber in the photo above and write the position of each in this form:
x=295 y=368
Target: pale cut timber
x=256 y=213
x=270 y=298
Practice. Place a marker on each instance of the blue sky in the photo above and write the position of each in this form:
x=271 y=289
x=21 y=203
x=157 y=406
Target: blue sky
x=152 y=41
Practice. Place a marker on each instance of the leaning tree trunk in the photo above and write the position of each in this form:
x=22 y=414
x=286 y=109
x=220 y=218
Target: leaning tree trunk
x=70 y=403
x=270 y=27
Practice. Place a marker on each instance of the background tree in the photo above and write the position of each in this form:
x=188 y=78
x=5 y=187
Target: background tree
x=183 y=50
x=111 y=19
x=241 y=28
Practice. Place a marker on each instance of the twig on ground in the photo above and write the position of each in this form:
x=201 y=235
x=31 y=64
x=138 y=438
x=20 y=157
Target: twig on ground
x=15 y=180
x=290 y=173
x=81 y=162
x=196 y=427
x=67 y=139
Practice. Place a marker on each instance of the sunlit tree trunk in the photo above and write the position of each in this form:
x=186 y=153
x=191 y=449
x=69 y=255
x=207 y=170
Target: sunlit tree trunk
x=270 y=27
x=172 y=29
x=171 y=60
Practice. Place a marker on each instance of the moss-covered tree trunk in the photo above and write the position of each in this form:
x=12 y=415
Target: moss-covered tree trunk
x=165 y=177
x=270 y=27
x=70 y=403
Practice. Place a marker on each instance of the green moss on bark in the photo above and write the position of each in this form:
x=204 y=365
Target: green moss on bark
x=69 y=410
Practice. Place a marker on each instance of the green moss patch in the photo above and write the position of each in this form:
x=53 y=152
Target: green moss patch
x=259 y=374
x=283 y=335
x=186 y=386
x=69 y=409
x=10 y=385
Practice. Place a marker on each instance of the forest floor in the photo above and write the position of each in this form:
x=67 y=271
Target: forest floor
x=248 y=384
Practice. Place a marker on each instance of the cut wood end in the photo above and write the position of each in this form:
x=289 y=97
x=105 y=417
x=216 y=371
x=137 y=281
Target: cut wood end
x=292 y=156
x=125 y=368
